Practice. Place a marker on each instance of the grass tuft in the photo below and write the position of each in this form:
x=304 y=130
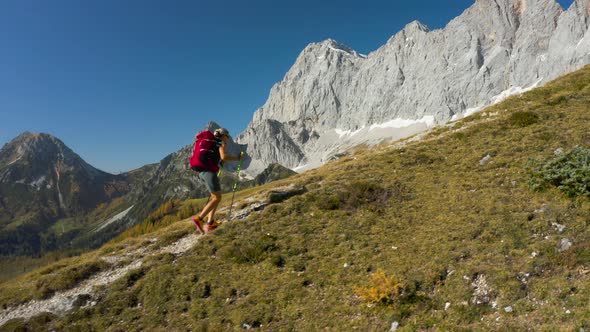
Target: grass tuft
x=523 y=119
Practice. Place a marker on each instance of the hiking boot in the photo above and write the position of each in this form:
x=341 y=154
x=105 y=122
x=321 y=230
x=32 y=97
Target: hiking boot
x=211 y=226
x=199 y=223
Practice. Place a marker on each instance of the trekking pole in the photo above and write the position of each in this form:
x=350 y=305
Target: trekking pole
x=220 y=169
x=235 y=185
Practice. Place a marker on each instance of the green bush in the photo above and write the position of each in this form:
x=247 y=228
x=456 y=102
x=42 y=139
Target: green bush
x=253 y=250
x=460 y=136
x=354 y=196
x=570 y=172
x=556 y=101
x=328 y=201
x=362 y=194
x=278 y=260
x=523 y=119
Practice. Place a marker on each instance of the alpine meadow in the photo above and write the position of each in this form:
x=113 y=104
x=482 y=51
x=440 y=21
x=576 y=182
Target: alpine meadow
x=236 y=166
x=477 y=225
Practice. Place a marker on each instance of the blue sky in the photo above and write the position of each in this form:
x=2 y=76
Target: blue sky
x=126 y=82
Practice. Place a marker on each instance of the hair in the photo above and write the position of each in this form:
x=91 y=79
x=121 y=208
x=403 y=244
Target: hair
x=219 y=132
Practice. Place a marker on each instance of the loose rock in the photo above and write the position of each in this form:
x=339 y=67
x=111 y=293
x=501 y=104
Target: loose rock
x=482 y=293
x=558 y=227
x=485 y=160
x=564 y=245
x=394 y=327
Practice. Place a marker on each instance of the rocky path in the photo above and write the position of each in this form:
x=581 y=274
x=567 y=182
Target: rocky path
x=85 y=293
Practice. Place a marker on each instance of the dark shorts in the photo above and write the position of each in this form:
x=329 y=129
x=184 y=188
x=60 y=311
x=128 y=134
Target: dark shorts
x=211 y=181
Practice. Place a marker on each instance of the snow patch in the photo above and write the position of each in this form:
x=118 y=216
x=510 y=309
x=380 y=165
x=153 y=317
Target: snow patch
x=337 y=49
x=38 y=183
x=543 y=57
x=514 y=90
x=351 y=52
x=299 y=168
x=114 y=218
x=403 y=123
x=332 y=143
x=309 y=166
x=467 y=113
x=341 y=133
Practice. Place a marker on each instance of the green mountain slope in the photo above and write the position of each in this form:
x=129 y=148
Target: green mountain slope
x=54 y=205
x=41 y=182
x=445 y=232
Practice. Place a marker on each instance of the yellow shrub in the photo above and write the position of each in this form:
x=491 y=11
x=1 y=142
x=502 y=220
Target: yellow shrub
x=382 y=289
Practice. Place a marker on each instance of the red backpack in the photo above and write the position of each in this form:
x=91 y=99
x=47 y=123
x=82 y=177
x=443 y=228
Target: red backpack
x=206 y=153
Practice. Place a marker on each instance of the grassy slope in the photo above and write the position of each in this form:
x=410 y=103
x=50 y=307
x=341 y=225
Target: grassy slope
x=428 y=213
x=75 y=235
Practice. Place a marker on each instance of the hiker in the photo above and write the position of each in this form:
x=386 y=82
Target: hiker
x=209 y=151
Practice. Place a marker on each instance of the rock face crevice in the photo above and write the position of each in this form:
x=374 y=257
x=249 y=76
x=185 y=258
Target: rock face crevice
x=492 y=47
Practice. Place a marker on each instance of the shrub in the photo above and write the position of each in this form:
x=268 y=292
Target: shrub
x=421 y=158
x=328 y=201
x=556 y=101
x=460 y=136
x=278 y=260
x=382 y=289
x=570 y=172
x=362 y=194
x=253 y=250
x=523 y=119
x=355 y=195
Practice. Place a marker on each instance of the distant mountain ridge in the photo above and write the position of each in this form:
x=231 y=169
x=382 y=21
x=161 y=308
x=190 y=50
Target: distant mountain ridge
x=445 y=233
x=333 y=98
x=51 y=199
x=41 y=179
x=41 y=162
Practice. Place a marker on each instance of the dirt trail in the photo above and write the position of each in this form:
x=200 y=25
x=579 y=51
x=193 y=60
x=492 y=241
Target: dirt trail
x=85 y=293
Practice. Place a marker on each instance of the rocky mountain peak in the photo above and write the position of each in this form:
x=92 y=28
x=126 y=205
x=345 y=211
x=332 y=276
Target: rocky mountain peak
x=416 y=26
x=329 y=45
x=331 y=98
x=32 y=156
x=35 y=147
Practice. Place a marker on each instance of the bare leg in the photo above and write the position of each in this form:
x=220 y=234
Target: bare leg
x=211 y=215
x=211 y=207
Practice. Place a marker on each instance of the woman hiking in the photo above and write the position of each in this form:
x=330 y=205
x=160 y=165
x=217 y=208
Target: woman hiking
x=209 y=151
